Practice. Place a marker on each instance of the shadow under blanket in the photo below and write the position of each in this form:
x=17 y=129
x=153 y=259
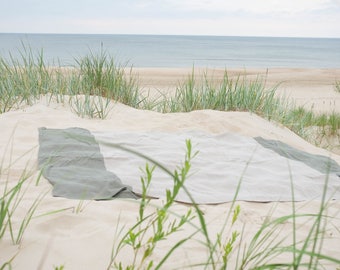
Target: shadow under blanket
x=91 y=165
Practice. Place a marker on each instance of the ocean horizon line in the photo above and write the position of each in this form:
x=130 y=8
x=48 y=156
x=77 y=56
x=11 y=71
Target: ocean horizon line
x=165 y=35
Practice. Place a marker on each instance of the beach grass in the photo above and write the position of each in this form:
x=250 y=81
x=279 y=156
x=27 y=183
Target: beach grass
x=229 y=95
x=11 y=197
x=337 y=86
x=23 y=82
x=100 y=75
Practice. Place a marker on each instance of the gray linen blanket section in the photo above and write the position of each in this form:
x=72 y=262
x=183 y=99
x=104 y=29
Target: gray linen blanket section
x=71 y=160
x=321 y=163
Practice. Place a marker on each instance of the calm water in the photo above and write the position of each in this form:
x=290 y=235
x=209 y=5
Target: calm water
x=180 y=51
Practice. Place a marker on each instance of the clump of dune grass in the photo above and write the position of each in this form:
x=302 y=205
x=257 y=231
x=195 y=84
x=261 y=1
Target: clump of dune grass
x=330 y=123
x=11 y=196
x=100 y=82
x=101 y=75
x=23 y=82
x=229 y=95
x=315 y=128
x=90 y=106
x=298 y=119
x=145 y=235
x=238 y=94
x=337 y=86
x=138 y=239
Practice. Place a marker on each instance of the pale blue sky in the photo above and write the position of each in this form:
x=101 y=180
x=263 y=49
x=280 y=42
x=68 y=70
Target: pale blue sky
x=298 y=18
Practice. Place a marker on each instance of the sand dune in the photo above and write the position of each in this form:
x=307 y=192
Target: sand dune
x=82 y=234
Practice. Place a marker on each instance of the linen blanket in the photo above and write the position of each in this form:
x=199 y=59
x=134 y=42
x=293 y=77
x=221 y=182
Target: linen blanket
x=103 y=165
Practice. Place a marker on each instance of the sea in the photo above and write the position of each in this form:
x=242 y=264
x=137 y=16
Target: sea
x=177 y=51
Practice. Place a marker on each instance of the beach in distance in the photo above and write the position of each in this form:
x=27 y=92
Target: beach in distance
x=284 y=211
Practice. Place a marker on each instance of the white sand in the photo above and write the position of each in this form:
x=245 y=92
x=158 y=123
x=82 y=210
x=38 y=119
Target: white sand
x=84 y=240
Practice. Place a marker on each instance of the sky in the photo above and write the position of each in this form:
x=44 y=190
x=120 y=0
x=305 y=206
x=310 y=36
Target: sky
x=287 y=18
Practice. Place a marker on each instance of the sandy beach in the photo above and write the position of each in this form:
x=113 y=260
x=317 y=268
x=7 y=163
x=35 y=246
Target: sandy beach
x=81 y=234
